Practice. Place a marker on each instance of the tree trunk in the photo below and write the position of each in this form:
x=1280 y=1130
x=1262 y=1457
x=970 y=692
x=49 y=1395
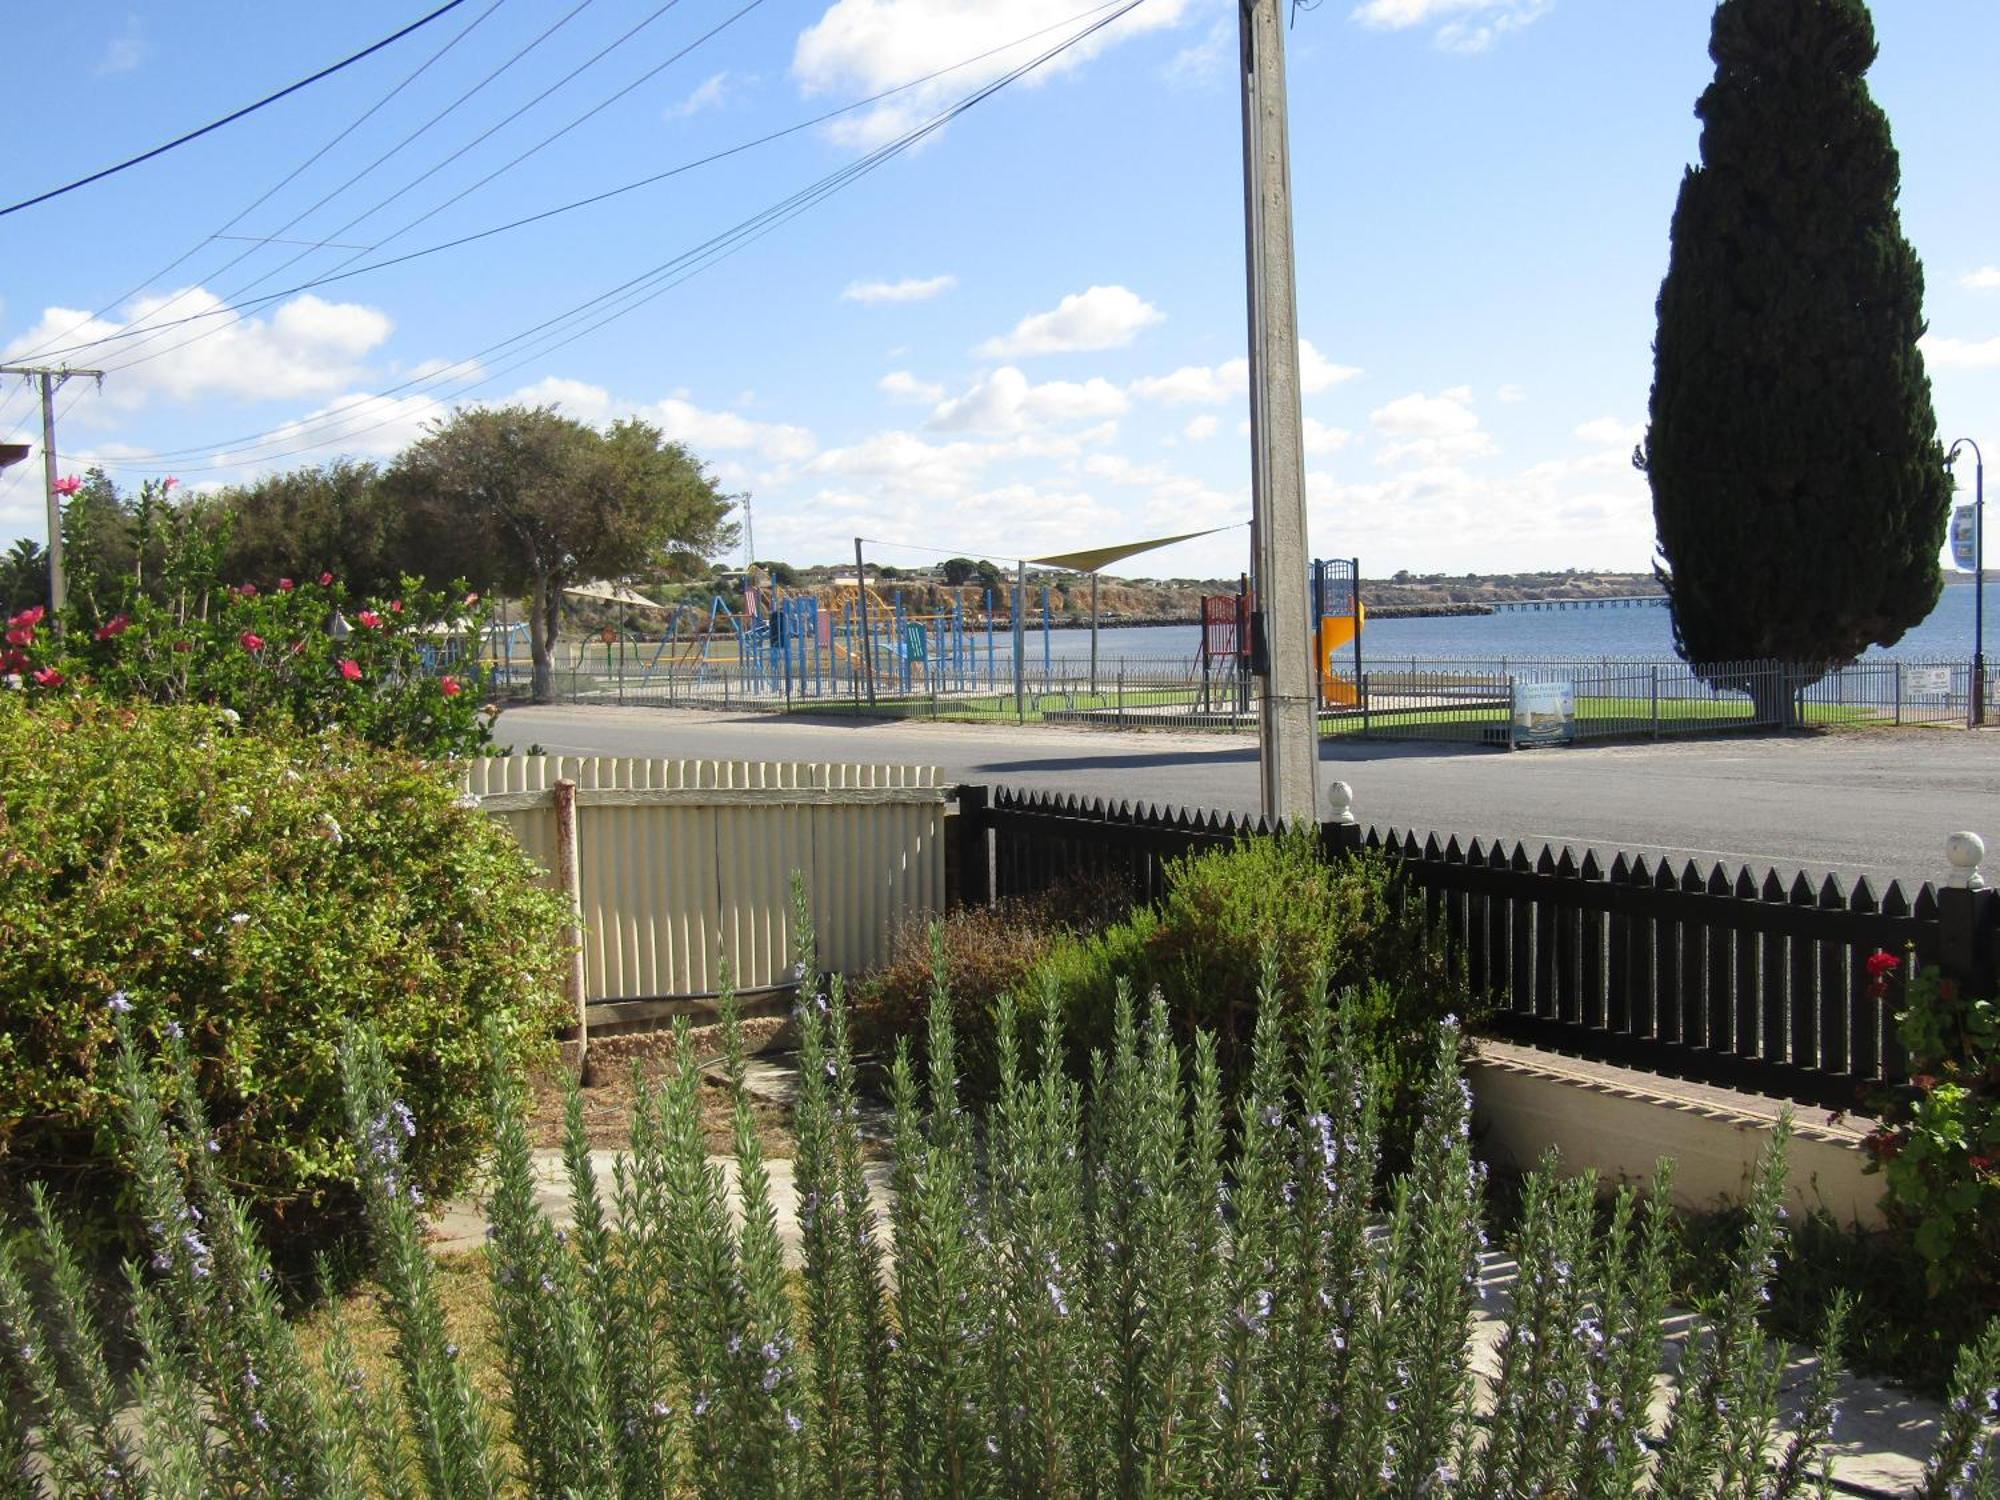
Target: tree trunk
x=541 y=639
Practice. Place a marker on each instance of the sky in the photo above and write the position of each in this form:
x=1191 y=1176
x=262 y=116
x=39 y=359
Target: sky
x=1022 y=334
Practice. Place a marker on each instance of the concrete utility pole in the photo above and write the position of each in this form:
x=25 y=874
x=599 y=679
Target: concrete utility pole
x=1288 y=726
x=867 y=645
x=51 y=381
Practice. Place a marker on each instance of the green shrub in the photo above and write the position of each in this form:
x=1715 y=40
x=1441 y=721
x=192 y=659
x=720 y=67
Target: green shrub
x=1347 y=923
x=259 y=896
x=1108 y=1290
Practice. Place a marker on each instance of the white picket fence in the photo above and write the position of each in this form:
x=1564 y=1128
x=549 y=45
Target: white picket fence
x=686 y=865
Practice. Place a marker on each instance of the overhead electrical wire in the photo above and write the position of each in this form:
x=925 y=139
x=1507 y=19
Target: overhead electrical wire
x=146 y=327
x=549 y=335
x=232 y=117
x=338 y=274
x=249 y=208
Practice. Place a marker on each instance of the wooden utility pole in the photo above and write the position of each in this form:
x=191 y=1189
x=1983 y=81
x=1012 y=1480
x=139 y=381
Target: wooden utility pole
x=1287 y=721
x=51 y=380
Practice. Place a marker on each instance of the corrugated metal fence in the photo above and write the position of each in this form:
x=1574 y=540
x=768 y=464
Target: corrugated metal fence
x=687 y=864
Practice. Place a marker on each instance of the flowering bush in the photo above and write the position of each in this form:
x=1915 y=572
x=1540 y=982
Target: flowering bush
x=1939 y=1143
x=298 y=652
x=1101 y=1292
x=258 y=895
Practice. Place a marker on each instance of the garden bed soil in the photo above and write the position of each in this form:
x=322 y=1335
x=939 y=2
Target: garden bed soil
x=610 y=1095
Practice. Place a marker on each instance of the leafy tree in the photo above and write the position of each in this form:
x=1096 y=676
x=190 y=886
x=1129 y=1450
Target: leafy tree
x=528 y=500
x=335 y=518
x=958 y=569
x=783 y=574
x=1798 y=487
x=24 y=576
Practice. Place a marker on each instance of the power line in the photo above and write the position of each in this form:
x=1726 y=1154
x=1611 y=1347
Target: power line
x=634 y=293
x=146 y=329
x=265 y=196
x=229 y=119
x=340 y=274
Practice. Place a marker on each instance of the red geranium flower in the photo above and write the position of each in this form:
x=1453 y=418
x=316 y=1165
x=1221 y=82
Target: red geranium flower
x=1881 y=964
x=369 y=618
x=251 y=641
x=69 y=484
x=450 y=687
x=395 y=606
x=47 y=677
x=21 y=635
x=350 y=669
x=30 y=616
x=113 y=626
x=326 y=580
x=248 y=590
x=284 y=585
x=13 y=659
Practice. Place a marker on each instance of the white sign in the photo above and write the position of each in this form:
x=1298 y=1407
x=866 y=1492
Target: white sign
x=1927 y=682
x=1965 y=539
x=1544 y=713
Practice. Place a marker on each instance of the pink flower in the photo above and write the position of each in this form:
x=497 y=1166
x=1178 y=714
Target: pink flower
x=47 y=677
x=113 y=627
x=326 y=580
x=350 y=669
x=251 y=641
x=395 y=606
x=171 y=484
x=369 y=618
x=69 y=484
x=450 y=687
x=470 y=600
x=31 y=616
x=21 y=635
x=285 y=585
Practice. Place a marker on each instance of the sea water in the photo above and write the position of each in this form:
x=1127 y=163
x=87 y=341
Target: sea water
x=1564 y=634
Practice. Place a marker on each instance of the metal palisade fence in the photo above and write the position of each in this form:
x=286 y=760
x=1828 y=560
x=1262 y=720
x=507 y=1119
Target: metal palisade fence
x=1717 y=975
x=1502 y=701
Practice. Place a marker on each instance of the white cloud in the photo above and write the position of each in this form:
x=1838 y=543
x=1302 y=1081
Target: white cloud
x=1200 y=429
x=1960 y=354
x=1321 y=440
x=1609 y=432
x=1985 y=279
x=904 y=386
x=573 y=398
x=125 y=51
x=708 y=94
x=355 y=424
x=1430 y=430
x=1511 y=395
x=1197 y=385
x=1006 y=401
x=307 y=347
x=705 y=431
x=866 y=46
x=1102 y=317
x=1204 y=59
x=909 y=289
x=903 y=464
x=1462 y=25
x=1213 y=385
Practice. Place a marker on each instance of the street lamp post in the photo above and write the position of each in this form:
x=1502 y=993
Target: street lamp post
x=1978 y=575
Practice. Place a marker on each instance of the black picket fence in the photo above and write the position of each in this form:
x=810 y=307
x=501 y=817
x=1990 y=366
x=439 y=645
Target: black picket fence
x=1717 y=976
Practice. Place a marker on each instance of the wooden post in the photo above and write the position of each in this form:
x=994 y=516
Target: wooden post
x=569 y=879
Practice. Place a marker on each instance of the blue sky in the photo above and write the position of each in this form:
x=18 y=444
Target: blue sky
x=1017 y=337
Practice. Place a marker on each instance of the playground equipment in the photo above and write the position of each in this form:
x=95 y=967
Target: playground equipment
x=1339 y=616
x=1228 y=644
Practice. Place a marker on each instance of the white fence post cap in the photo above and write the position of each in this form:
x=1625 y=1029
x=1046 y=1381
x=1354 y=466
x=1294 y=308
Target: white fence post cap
x=1965 y=851
x=1340 y=803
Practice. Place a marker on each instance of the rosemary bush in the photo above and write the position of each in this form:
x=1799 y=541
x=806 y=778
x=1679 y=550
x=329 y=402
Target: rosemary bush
x=1115 y=1287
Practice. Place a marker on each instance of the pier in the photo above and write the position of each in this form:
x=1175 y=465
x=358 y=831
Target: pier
x=1622 y=601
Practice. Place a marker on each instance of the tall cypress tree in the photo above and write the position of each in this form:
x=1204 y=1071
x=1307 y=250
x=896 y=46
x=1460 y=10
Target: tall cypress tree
x=1799 y=489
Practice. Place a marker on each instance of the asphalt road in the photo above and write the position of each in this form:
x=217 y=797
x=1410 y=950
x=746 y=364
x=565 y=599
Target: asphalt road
x=1876 y=803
